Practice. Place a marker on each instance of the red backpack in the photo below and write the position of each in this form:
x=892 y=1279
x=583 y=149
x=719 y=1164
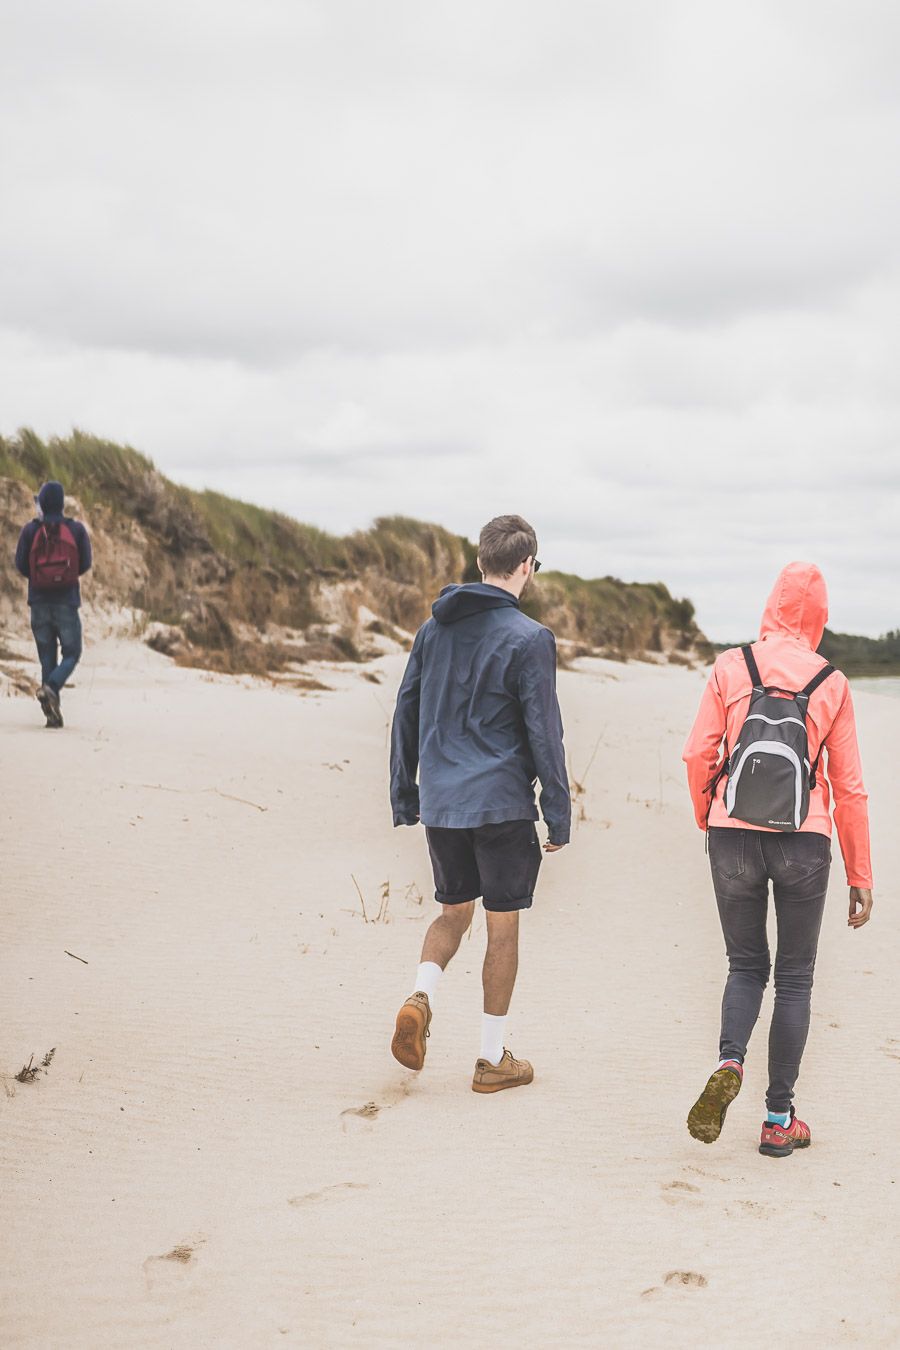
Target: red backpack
x=53 y=561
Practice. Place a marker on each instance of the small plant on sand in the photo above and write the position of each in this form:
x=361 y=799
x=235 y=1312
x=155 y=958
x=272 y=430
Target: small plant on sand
x=384 y=901
x=414 y=893
x=29 y=1072
x=381 y=916
x=578 y=787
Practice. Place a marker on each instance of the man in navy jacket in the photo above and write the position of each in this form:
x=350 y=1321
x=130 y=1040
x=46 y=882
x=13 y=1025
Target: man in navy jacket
x=478 y=718
x=55 y=621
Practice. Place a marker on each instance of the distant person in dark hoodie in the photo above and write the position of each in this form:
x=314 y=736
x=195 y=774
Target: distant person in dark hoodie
x=477 y=716
x=53 y=552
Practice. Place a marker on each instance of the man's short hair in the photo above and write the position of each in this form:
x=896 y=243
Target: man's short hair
x=505 y=543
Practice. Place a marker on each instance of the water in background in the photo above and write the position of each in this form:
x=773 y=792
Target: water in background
x=883 y=684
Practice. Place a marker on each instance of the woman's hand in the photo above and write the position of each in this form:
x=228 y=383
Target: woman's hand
x=860 y=906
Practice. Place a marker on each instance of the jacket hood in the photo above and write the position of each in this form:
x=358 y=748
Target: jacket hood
x=52 y=498
x=460 y=602
x=798 y=604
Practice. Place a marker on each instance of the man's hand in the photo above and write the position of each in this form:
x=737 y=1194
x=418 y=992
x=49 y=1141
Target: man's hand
x=552 y=848
x=860 y=906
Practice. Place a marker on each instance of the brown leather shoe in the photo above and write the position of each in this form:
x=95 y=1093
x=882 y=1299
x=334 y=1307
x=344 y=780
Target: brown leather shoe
x=412 y=1031
x=508 y=1073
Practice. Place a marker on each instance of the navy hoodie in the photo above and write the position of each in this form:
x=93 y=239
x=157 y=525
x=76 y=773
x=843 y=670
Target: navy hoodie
x=52 y=500
x=477 y=716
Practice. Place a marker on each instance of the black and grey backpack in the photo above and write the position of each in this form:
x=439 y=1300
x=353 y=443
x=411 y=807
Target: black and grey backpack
x=769 y=773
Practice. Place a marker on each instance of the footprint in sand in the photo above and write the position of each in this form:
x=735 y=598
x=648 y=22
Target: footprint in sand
x=710 y=1176
x=171 y=1269
x=686 y=1279
x=681 y=1193
x=359 y=1117
x=363 y=1117
x=326 y=1193
x=677 y=1279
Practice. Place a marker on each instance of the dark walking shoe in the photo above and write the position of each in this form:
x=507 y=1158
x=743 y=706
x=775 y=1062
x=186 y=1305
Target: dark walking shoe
x=508 y=1073
x=779 y=1141
x=49 y=700
x=707 y=1116
x=412 y=1031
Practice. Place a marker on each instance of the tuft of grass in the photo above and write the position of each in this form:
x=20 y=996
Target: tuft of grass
x=578 y=786
x=384 y=900
x=414 y=893
x=29 y=1072
x=620 y=619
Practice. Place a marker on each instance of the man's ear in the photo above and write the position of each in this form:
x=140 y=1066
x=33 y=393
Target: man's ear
x=478 y=564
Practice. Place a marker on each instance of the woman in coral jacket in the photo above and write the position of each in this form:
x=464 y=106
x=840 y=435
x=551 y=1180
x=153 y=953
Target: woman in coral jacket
x=744 y=858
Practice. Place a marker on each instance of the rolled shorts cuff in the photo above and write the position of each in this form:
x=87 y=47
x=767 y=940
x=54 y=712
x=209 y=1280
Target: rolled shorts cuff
x=464 y=898
x=507 y=906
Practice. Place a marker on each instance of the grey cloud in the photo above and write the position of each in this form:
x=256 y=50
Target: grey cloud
x=211 y=181
x=617 y=266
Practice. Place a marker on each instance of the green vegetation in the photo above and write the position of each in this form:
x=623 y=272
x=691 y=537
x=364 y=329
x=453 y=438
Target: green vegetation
x=100 y=473
x=622 y=618
x=852 y=654
x=103 y=471
x=862 y=655
x=250 y=534
x=211 y=564
x=219 y=570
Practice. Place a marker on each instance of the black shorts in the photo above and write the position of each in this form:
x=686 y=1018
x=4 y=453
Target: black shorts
x=497 y=862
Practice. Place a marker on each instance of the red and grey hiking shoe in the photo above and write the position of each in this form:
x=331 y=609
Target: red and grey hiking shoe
x=779 y=1141
x=707 y=1116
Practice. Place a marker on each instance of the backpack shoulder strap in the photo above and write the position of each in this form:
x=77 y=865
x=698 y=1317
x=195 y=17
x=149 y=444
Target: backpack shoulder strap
x=755 y=677
x=819 y=678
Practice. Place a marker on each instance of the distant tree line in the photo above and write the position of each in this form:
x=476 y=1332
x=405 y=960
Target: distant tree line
x=852 y=654
x=862 y=655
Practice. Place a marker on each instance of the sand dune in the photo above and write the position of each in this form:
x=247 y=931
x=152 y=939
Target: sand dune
x=223 y=1153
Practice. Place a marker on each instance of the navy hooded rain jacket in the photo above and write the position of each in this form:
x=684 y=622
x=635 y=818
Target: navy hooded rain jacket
x=51 y=499
x=478 y=717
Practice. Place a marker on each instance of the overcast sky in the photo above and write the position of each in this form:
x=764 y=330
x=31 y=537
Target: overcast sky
x=631 y=269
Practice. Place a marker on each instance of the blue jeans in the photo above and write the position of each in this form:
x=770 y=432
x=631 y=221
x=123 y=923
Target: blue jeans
x=57 y=629
x=743 y=863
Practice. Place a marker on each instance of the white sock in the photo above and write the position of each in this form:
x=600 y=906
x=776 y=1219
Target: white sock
x=427 y=977
x=492 y=1029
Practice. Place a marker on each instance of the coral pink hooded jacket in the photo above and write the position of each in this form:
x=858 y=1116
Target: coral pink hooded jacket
x=791 y=629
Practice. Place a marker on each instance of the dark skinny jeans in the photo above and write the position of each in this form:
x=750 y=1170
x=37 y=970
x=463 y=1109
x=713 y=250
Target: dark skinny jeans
x=743 y=862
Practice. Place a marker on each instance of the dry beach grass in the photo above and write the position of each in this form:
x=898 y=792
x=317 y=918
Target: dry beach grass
x=223 y=1152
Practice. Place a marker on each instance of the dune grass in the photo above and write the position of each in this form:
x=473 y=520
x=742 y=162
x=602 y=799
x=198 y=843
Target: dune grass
x=265 y=566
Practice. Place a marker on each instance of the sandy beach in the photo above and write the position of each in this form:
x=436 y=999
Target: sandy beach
x=222 y=1152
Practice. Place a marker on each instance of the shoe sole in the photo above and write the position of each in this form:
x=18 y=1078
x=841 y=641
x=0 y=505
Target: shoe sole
x=776 y=1151
x=49 y=709
x=707 y=1116
x=408 y=1045
x=501 y=1087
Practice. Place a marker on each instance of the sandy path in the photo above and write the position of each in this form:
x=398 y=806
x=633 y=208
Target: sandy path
x=201 y=1165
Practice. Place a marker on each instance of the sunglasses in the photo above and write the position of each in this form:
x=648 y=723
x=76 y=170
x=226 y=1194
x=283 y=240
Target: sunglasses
x=536 y=563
